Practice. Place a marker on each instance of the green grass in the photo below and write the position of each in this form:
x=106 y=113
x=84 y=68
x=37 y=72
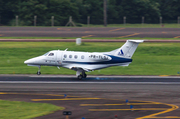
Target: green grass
x=25 y=110
x=149 y=58
x=37 y=37
x=100 y=38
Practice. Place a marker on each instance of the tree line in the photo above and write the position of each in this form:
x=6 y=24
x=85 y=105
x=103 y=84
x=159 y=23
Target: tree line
x=134 y=10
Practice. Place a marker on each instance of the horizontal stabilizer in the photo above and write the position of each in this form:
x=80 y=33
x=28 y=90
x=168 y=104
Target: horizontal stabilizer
x=136 y=41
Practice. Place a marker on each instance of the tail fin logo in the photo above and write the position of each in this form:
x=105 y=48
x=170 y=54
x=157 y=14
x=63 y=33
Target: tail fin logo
x=121 y=53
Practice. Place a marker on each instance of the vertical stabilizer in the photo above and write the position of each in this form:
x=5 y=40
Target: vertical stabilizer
x=128 y=49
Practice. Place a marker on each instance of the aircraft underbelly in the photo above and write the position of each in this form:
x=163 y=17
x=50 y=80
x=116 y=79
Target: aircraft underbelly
x=92 y=67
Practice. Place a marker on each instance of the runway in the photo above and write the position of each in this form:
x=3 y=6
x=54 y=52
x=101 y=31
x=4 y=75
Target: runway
x=70 y=82
x=84 y=32
x=98 y=96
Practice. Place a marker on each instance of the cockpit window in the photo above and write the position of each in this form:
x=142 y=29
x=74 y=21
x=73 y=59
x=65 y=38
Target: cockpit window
x=46 y=54
x=51 y=54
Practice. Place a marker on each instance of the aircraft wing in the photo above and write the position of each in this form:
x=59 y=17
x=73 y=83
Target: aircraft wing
x=80 y=68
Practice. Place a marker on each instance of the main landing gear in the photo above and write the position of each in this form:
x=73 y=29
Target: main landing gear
x=81 y=75
x=39 y=71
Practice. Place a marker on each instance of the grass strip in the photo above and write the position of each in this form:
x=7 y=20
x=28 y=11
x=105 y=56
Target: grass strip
x=25 y=110
x=99 y=38
x=149 y=58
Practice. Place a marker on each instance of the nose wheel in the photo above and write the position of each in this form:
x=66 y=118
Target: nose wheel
x=39 y=71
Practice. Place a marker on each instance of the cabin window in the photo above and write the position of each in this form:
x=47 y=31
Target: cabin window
x=65 y=56
x=82 y=57
x=75 y=56
x=51 y=54
x=70 y=56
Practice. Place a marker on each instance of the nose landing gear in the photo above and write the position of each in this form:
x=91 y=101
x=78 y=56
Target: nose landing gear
x=39 y=71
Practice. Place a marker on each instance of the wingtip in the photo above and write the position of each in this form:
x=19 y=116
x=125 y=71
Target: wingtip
x=136 y=41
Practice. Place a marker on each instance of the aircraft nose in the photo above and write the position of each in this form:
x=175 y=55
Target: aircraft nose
x=30 y=61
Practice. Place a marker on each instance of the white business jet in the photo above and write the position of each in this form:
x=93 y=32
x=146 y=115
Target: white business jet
x=82 y=62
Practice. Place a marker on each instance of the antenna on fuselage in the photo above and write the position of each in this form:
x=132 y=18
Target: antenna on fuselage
x=66 y=49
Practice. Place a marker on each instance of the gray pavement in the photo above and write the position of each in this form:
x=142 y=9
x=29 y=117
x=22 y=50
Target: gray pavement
x=97 y=96
x=89 y=32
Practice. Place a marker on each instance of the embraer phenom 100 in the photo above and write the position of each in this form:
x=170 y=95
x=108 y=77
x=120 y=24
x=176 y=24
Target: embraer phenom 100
x=82 y=62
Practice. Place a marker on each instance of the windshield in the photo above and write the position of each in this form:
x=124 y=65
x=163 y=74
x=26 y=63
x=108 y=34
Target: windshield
x=46 y=54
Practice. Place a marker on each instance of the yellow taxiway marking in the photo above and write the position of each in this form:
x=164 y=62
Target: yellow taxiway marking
x=63 y=29
x=87 y=36
x=116 y=104
x=127 y=109
x=174 y=107
x=166 y=110
x=66 y=99
x=167 y=117
x=177 y=37
x=2 y=93
x=116 y=29
x=130 y=35
x=164 y=32
x=163 y=75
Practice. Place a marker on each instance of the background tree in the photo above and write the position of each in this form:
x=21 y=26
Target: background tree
x=170 y=9
x=80 y=9
x=135 y=9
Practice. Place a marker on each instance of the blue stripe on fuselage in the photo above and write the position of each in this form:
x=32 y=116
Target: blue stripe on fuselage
x=114 y=60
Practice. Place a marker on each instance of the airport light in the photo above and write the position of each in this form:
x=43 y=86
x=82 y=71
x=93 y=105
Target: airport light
x=67 y=113
x=131 y=107
x=127 y=101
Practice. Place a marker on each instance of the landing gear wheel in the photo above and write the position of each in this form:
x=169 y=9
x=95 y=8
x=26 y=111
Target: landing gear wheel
x=38 y=73
x=84 y=75
x=80 y=77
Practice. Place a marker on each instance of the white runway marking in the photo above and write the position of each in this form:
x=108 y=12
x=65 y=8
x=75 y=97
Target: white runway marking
x=75 y=82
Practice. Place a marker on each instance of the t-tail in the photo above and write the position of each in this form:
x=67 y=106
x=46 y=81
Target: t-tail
x=127 y=50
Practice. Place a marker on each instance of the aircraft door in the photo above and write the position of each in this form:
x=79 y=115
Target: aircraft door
x=59 y=58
